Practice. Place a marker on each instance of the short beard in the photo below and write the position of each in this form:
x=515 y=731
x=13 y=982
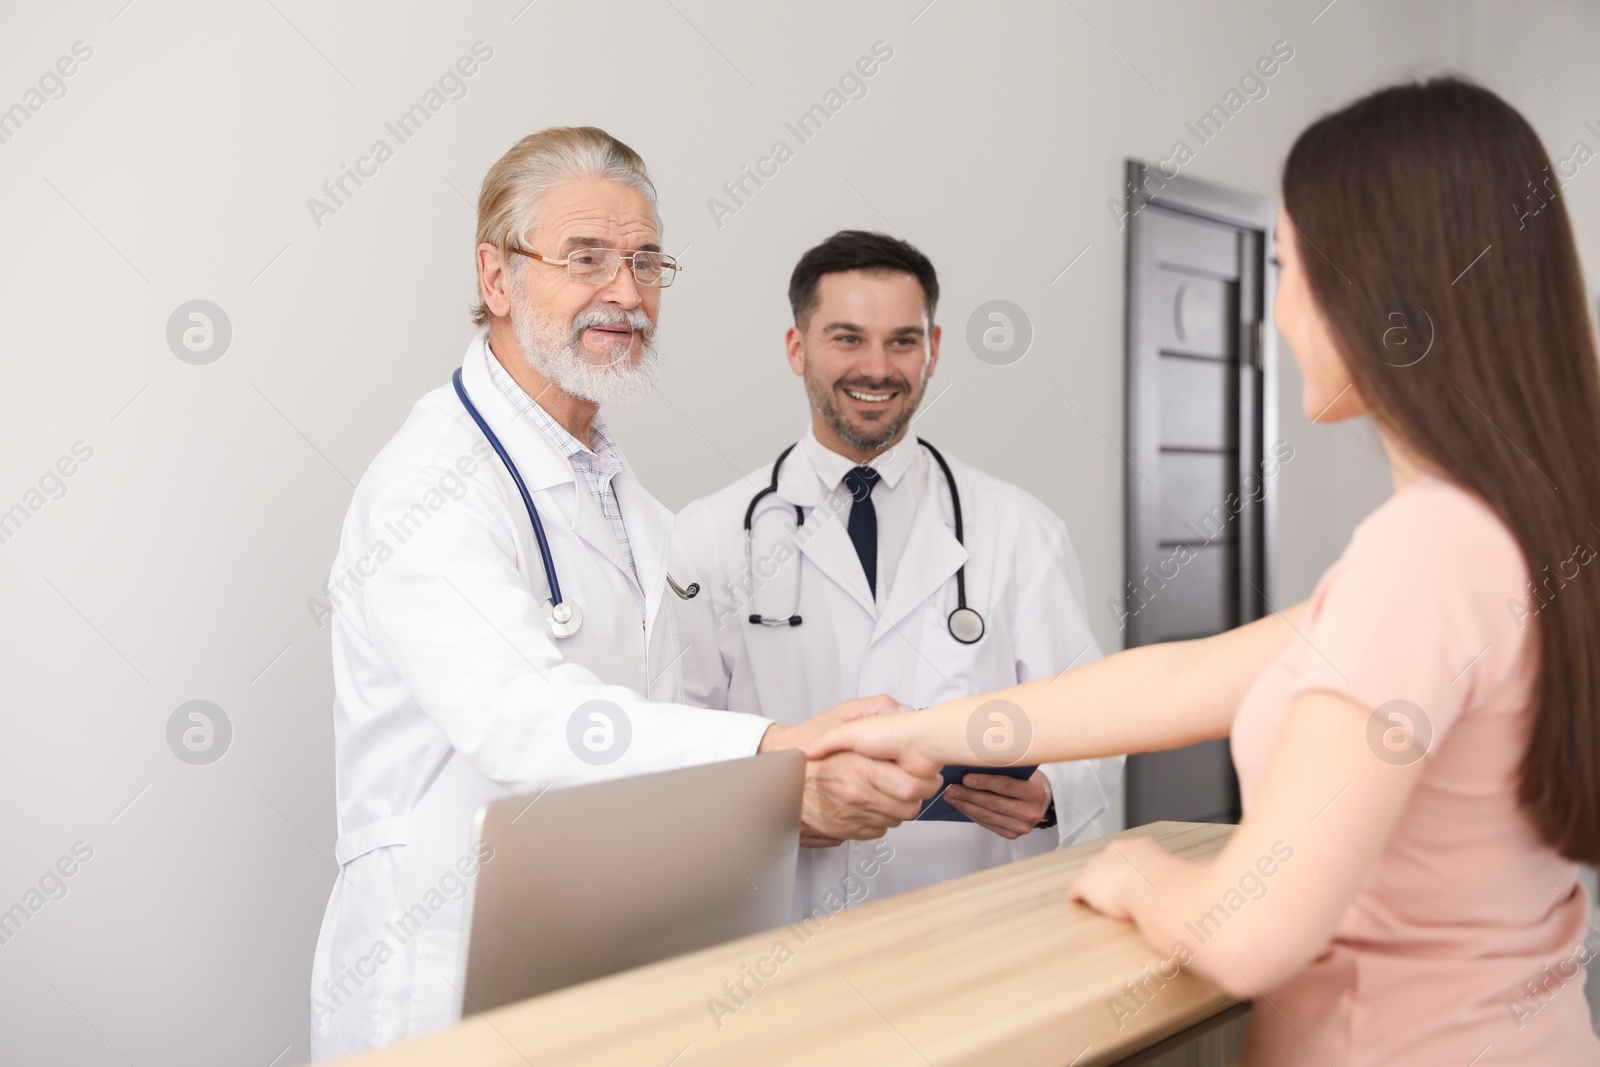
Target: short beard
x=822 y=399
x=560 y=358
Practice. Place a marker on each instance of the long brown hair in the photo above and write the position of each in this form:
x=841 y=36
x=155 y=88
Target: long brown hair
x=1432 y=210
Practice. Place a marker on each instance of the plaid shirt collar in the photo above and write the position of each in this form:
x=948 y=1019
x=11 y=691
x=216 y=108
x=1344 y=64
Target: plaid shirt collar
x=603 y=458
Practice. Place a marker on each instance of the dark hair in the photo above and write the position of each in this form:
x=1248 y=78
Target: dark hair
x=858 y=250
x=1430 y=205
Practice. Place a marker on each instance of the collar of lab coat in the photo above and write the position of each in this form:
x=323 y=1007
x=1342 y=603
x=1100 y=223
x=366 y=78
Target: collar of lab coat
x=542 y=466
x=933 y=555
x=831 y=467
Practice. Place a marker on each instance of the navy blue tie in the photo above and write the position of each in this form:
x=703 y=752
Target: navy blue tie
x=864 y=521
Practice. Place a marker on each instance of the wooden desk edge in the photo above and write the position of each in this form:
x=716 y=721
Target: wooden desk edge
x=480 y=1039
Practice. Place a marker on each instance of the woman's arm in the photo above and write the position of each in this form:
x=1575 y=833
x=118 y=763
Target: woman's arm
x=1143 y=699
x=1264 y=908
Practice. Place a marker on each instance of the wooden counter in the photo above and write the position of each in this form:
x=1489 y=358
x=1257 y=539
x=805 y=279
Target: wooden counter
x=993 y=968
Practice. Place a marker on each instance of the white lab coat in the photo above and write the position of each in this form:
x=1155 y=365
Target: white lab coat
x=452 y=691
x=1021 y=575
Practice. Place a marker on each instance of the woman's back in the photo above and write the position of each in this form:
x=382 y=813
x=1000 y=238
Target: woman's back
x=1464 y=944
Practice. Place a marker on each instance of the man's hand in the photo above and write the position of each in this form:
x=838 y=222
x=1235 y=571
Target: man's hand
x=1009 y=806
x=809 y=838
x=848 y=795
x=823 y=795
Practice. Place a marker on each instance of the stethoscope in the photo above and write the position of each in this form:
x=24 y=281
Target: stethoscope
x=965 y=624
x=564 y=616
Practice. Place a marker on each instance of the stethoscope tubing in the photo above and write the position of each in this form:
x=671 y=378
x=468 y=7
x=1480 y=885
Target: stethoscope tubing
x=955 y=507
x=970 y=616
x=516 y=476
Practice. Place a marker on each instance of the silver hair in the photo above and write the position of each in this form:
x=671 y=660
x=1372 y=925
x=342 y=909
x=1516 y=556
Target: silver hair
x=508 y=204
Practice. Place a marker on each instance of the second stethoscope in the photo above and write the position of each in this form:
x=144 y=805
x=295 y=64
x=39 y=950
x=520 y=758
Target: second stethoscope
x=965 y=624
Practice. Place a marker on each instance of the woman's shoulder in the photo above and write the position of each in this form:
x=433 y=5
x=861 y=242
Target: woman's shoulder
x=1432 y=589
x=1434 y=525
x=1436 y=554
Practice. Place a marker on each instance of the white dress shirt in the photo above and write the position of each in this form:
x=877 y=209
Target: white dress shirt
x=893 y=499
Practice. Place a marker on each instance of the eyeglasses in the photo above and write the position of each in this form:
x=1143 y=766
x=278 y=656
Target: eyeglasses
x=597 y=266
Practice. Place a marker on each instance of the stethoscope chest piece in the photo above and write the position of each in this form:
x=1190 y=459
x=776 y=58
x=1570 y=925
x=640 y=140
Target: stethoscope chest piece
x=966 y=625
x=564 y=618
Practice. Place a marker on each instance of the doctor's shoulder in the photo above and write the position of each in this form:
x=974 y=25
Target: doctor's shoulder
x=721 y=513
x=1014 y=518
x=434 y=458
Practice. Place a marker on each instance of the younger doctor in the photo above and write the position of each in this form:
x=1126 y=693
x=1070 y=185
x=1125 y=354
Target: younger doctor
x=461 y=674
x=861 y=578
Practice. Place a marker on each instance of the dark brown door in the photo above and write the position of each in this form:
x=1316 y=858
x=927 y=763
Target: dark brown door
x=1196 y=522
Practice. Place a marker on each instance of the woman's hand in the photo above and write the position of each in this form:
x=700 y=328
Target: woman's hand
x=902 y=738
x=779 y=736
x=1109 y=882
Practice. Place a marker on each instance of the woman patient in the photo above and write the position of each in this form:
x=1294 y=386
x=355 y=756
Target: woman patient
x=1420 y=738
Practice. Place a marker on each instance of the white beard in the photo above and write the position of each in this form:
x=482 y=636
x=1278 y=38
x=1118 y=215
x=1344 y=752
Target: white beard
x=561 y=359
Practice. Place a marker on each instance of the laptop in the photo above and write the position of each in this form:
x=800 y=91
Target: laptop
x=595 y=879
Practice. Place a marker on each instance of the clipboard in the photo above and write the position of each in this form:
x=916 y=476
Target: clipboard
x=937 y=809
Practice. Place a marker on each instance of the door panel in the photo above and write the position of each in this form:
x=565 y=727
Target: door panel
x=1197 y=409
x=1196 y=601
x=1194 y=489
x=1196 y=560
x=1187 y=781
x=1198 y=321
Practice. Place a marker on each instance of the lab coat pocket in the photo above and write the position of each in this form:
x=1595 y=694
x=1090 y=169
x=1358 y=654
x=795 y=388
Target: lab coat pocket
x=665 y=655
x=435 y=982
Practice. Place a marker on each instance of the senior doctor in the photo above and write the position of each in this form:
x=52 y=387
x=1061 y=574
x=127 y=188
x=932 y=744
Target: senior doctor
x=458 y=677
x=858 y=576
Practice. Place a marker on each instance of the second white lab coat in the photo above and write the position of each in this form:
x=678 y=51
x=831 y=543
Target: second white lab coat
x=451 y=691
x=1021 y=575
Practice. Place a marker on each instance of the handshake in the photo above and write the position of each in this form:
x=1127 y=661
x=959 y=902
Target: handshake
x=871 y=764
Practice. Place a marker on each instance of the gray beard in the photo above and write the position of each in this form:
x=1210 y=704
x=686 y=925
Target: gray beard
x=559 y=356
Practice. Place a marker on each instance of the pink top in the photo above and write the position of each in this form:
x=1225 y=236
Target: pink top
x=1463 y=945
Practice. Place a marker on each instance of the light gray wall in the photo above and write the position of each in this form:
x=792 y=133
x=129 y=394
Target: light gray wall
x=178 y=562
